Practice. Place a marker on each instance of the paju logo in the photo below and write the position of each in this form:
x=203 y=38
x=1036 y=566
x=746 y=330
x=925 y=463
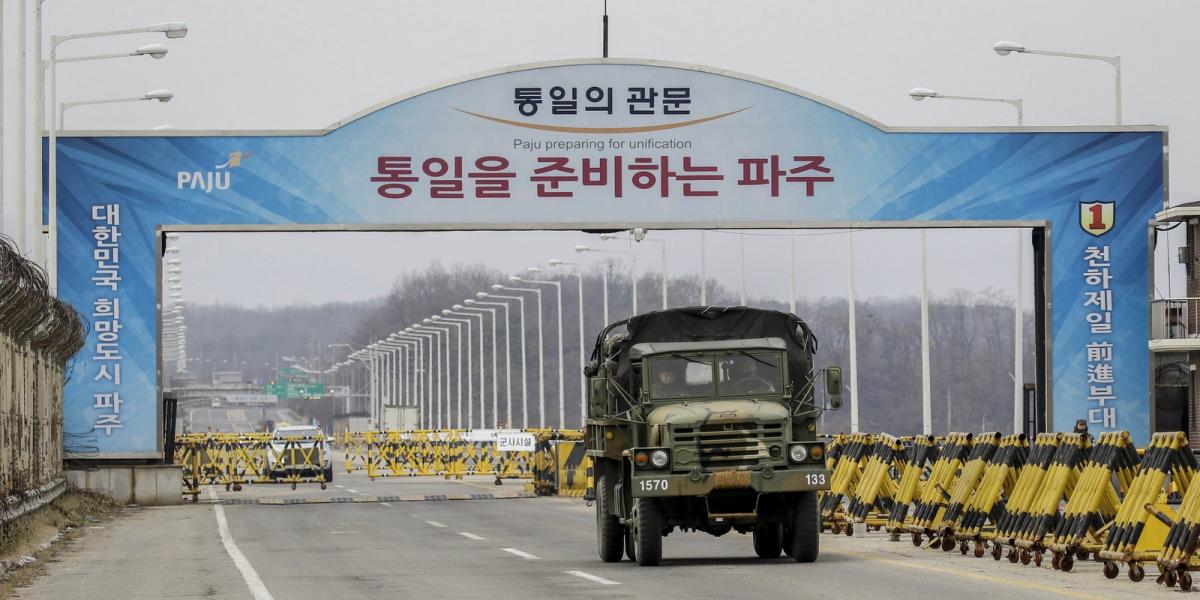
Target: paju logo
x=217 y=179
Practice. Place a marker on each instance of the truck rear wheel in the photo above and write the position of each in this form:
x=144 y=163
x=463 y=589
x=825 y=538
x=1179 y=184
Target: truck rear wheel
x=610 y=534
x=647 y=531
x=768 y=540
x=806 y=529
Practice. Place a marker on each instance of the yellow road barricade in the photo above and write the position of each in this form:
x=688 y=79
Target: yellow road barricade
x=1096 y=496
x=848 y=458
x=920 y=455
x=872 y=499
x=986 y=505
x=930 y=504
x=1133 y=537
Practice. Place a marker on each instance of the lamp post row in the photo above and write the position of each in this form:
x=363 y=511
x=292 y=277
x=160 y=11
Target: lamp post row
x=27 y=231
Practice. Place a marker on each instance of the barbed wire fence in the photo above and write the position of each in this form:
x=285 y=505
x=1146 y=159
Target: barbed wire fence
x=38 y=336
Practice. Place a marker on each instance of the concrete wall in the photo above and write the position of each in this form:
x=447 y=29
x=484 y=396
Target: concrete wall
x=145 y=485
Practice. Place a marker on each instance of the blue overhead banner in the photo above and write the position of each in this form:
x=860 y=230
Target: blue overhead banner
x=592 y=143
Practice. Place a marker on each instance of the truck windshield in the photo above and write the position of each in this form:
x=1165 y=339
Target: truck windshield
x=750 y=373
x=677 y=376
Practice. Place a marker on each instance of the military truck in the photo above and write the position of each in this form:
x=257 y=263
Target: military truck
x=704 y=419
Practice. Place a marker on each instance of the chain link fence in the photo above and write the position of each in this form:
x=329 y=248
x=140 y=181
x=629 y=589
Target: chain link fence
x=38 y=335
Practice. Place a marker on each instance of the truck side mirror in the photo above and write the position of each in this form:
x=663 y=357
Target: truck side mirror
x=833 y=386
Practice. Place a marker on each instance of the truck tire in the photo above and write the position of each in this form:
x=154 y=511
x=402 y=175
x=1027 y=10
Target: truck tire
x=806 y=529
x=768 y=540
x=329 y=475
x=787 y=539
x=610 y=534
x=647 y=531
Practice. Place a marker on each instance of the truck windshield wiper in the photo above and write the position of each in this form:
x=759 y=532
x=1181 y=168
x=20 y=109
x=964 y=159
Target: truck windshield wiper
x=689 y=359
x=757 y=359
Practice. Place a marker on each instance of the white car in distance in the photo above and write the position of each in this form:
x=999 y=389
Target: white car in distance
x=290 y=448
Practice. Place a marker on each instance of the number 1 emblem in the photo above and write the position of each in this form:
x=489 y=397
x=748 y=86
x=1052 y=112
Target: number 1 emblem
x=1097 y=218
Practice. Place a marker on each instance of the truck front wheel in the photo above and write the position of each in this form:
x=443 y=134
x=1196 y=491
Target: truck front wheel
x=647 y=531
x=610 y=534
x=806 y=528
x=768 y=540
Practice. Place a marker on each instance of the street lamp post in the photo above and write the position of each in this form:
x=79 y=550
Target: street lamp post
x=362 y=356
x=507 y=353
x=432 y=384
x=638 y=235
x=160 y=95
x=443 y=417
x=541 y=350
x=462 y=311
x=1004 y=48
x=395 y=357
x=495 y=372
x=470 y=363
x=554 y=262
x=633 y=273
x=172 y=30
x=458 y=419
x=562 y=418
x=524 y=381
x=417 y=359
x=920 y=93
x=375 y=355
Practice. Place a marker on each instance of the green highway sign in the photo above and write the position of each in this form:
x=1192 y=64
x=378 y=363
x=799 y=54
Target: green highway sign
x=285 y=389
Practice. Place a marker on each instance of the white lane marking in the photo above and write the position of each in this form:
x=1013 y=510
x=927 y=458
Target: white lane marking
x=352 y=491
x=337 y=486
x=385 y=504
x=435 y=524
x=593 y=578
x=257 y=589
x=522 y=554
x=471 y=536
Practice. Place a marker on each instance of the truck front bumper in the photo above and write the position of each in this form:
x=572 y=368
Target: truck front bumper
x=802 y=478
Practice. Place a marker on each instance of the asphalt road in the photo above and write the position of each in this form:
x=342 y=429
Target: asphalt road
x=499 y=549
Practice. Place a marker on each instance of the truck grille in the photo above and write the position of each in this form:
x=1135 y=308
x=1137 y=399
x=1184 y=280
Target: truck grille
x=728 y=445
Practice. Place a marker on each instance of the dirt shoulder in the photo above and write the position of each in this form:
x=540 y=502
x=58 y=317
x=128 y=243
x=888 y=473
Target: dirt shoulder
x=28 y=543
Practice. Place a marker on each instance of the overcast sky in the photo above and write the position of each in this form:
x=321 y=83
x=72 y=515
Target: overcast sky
x=303 y=64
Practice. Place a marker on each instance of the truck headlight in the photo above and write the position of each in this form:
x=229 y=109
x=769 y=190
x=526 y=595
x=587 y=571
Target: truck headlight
x=798 y=453
x=659 y=458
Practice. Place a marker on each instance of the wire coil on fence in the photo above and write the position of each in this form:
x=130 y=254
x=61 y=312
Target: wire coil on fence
x=29 y=314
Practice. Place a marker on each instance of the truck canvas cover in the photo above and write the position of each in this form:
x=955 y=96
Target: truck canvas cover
x=712 y=323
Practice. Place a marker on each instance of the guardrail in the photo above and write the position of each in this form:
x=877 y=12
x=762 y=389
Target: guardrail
x=1067 y=494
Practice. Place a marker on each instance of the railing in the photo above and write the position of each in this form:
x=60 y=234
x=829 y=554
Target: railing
x=1170 y=320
